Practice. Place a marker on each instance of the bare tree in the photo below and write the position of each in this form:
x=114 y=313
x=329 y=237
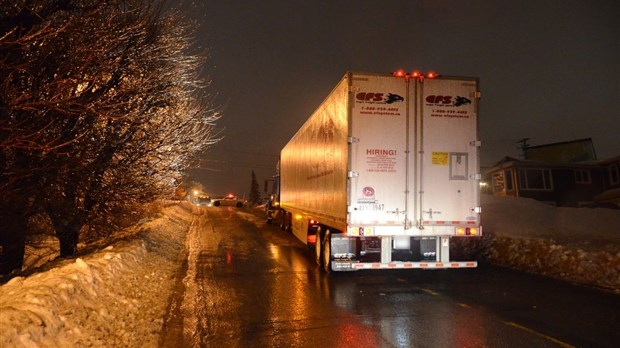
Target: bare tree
x=102 y=107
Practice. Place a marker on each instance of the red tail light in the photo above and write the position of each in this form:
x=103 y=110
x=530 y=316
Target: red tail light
x=400 y=73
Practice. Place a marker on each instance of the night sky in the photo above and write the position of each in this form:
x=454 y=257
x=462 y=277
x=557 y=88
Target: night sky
x=549 y=70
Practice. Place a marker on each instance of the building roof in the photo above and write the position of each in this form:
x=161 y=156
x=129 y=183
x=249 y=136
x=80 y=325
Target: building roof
x=511 y=161
x=574 y=151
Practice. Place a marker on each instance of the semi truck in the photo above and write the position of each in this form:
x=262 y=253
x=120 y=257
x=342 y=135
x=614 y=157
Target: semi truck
x=385 y=173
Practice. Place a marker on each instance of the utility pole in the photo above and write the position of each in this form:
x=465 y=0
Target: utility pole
x=524 y=146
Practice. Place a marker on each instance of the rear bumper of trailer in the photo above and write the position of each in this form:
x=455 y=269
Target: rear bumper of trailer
x=355 y=266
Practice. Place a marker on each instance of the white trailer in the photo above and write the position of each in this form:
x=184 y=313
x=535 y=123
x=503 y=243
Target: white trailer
x=385 y=173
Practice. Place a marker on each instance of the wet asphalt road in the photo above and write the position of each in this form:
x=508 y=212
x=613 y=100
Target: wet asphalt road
x=249 y=284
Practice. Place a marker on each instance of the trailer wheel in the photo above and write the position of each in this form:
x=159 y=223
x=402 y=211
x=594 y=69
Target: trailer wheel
x=282 y=220
x=317 y=246
x=286 y=223
x=327 y=252
x=288 y=227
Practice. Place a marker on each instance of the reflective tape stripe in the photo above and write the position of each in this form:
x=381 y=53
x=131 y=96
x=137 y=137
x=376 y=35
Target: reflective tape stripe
x=424 y=265
x=449 y=223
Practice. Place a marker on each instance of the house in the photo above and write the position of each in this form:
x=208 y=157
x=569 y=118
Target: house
x=611 y=196
x=591 y=183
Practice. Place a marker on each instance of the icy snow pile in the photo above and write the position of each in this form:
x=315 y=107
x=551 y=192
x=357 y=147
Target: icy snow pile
x=112 y=297
x=581 y=245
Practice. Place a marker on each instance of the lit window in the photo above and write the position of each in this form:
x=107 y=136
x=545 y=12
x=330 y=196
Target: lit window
x=502 y=181
x=498 y=182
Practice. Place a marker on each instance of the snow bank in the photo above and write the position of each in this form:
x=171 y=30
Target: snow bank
x=580 y=245
x=524 y=217
x=112 y=297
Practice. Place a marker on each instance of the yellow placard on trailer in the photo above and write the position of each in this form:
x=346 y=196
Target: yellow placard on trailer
x=440 y=158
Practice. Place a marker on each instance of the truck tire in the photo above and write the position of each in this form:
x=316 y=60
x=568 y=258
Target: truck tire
x=239 y=204
x=216 y=203
x=326 y=251
x=282 y=220
x=317 y=247
x=286 y=222
x=289 y=223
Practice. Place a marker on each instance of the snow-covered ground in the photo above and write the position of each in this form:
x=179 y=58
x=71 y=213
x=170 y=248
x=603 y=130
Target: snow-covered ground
x=113 y=297
x=118 y=295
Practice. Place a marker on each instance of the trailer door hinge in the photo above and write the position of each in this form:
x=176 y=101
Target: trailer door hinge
x=476 y=176
x=353 y=140
x=475 y=143
x=477 y=95
x=352 y=174
x=476 y=210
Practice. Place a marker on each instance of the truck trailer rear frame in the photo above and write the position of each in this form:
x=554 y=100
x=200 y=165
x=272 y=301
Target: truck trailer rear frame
x=384 y=173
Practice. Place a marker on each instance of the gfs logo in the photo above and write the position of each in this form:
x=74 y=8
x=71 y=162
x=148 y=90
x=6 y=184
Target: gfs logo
x=378 y=98
x=447 y=100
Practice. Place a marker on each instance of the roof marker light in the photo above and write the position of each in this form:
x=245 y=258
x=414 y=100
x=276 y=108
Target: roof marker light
x=415 y=74
x=400 y=73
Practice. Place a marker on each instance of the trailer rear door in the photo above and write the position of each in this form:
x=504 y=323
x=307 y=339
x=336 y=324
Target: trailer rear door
x=447 y=162
x=377 y=152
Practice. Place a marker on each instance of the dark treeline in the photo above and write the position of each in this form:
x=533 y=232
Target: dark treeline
x=102 y=109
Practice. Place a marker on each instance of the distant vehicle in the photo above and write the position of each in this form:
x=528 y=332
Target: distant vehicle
x=203 y=200
x=385 y=173
x=228 y=200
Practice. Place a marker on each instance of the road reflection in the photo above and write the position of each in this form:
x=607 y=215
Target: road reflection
x=259 y=287
x=387 y=310
x=300 y=309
